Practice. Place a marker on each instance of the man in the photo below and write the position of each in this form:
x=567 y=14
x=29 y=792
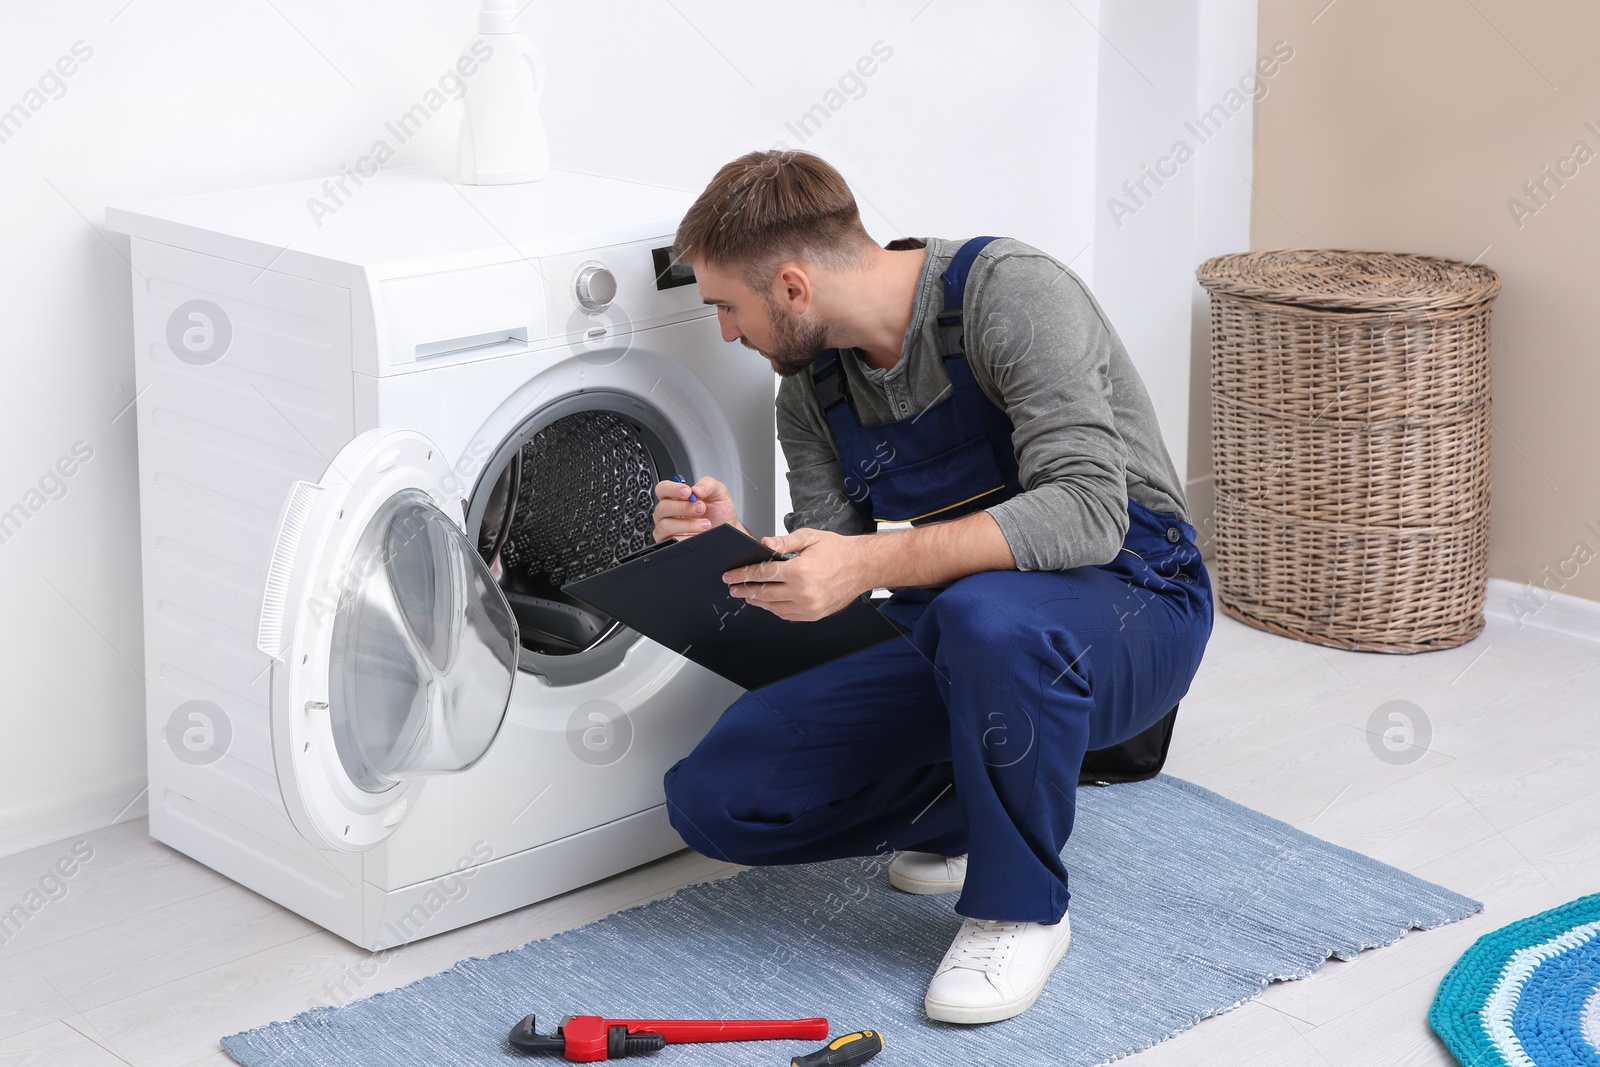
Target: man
x=1055 y=597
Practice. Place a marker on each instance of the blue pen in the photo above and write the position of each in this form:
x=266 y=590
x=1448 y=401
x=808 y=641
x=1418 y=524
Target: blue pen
x=692 y=498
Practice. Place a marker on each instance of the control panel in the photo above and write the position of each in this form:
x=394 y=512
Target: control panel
x=503 y=308
x=629 y=286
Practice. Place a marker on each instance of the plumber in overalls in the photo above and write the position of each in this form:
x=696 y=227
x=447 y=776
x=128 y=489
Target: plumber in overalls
x=1050 y=580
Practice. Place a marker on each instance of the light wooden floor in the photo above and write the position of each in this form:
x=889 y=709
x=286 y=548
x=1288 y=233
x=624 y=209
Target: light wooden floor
x=149 y=957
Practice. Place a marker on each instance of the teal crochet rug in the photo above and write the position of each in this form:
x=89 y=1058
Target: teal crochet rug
x=1528 y=994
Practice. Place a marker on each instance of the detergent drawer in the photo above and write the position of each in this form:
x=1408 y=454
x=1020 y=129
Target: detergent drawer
x=464 y=314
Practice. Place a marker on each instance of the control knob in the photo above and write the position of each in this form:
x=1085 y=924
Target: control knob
x=596 y=286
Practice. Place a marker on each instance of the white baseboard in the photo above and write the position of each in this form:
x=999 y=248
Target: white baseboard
x=1521 y=606
x=44 y=823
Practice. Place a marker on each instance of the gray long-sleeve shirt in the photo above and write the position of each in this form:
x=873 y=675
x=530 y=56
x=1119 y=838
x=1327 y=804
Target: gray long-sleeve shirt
x=1083 y=428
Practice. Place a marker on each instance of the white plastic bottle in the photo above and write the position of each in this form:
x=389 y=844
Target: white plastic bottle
x=503 y=139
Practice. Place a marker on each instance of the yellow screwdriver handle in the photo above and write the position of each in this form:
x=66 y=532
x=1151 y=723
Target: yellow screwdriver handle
x=846 y=1051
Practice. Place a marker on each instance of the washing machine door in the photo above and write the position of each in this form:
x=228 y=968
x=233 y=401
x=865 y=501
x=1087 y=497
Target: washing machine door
x=394 y=651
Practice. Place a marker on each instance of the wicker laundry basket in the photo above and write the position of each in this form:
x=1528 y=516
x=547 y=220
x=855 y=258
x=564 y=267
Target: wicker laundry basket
x=1351 y=426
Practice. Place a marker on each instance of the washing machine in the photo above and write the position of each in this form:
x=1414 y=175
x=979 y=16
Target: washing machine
x=380 y=424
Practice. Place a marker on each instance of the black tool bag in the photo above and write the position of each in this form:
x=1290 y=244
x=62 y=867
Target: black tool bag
x=1134 y=760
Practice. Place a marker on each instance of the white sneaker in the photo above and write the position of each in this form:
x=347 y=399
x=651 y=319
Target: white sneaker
x=995 y=970
x=928 y=873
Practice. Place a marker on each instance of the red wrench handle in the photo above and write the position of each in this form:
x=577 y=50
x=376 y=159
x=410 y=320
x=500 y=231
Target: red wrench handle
x=685 y=1030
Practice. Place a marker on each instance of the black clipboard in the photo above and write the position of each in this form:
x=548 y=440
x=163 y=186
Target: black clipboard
x=673 y=593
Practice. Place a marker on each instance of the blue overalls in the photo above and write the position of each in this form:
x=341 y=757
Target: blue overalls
x=968 y=734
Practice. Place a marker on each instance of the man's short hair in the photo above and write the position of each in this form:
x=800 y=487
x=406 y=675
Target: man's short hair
x=768 y=207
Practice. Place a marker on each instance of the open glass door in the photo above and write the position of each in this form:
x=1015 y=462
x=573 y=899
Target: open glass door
x=394 y=649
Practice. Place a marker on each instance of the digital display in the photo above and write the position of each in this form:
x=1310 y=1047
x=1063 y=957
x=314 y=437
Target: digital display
x=670 y=273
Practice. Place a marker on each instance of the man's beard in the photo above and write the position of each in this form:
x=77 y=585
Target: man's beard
x=796 y=344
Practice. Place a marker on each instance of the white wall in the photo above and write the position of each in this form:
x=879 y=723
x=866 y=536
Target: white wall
x=1172 y=192
x=982 y=120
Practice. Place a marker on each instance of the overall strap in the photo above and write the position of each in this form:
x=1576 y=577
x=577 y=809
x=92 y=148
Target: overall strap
x=833 y=396
x=954 y=278
x=827 y=377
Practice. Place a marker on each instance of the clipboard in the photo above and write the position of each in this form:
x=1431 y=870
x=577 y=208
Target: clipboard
x=673 y=593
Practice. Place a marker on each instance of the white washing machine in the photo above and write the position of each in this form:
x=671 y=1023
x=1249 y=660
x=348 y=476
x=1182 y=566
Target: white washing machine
x=373 y=442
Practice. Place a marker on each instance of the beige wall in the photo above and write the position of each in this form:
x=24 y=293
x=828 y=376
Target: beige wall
x=1408 y=126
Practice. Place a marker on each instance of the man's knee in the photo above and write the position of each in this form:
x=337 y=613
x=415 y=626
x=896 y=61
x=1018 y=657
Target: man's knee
x=696 y=809
x=703 y=805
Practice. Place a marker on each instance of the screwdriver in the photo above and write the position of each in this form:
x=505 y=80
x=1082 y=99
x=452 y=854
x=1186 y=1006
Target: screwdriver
x=846 y=1051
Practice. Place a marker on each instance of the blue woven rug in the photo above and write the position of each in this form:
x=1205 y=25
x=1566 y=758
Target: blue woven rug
x=1184 y=904
x=1528 y=994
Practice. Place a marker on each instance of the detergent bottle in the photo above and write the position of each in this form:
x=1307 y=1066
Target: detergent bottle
x=503 y=138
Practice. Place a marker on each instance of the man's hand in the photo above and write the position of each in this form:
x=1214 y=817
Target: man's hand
x=677 y=516
x=823 y=577
x=829 y=570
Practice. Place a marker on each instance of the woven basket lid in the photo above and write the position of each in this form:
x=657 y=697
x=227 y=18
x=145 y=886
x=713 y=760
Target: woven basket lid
x=1354 y=281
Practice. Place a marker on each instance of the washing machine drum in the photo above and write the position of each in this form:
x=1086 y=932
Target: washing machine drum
x=578 y=496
